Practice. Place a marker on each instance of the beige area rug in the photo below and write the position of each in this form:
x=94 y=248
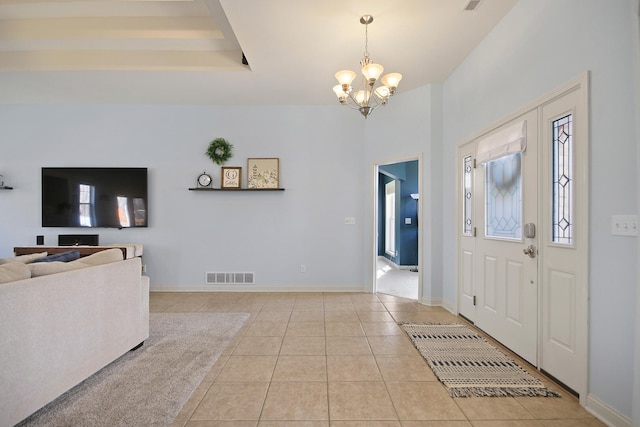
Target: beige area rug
x=148 y=386
x=469 y=365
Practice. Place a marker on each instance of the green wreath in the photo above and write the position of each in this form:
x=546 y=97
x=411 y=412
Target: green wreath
x=219 y=150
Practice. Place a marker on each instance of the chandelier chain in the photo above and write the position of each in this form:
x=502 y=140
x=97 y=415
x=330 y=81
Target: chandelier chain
x=366 y=60
x=366 y=40
x=368 y=97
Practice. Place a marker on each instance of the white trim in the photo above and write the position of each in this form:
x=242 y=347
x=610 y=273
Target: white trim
x=635 y=397
x=606 y=413
x=449 y=307
x=393 y=264
x=582 y=229
x=259 y=288
x=373 y=244
x=432 y=302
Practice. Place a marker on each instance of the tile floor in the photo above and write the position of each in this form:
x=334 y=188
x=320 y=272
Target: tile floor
x=339 y=360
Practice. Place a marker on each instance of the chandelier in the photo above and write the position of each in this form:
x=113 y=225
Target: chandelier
x=366 y=98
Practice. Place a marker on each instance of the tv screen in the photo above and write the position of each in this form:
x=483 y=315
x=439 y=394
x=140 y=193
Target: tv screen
x=94 y=197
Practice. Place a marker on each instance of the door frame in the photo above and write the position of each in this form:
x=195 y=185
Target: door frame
x=374 y=250
x=579 y=83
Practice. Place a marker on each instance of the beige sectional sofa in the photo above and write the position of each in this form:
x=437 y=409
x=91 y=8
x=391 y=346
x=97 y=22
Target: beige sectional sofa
x=64 y=325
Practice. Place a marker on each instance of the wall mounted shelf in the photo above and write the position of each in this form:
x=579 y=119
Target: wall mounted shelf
x=234 y=189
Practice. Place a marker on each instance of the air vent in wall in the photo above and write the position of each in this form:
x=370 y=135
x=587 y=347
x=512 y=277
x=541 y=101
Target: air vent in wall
x=472 y=5
x=219 y=278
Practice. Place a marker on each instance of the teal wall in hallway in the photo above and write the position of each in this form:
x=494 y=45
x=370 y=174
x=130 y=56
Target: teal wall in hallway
x=406 y=234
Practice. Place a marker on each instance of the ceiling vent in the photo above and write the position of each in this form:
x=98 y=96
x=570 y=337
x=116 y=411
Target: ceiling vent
x=472 y=5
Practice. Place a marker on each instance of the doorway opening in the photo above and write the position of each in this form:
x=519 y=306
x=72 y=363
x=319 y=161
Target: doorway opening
x=397 y=229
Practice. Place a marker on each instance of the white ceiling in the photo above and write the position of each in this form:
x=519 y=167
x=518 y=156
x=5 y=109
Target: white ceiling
x=189 y=51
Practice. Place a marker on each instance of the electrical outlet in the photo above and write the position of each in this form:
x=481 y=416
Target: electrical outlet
x=303 y=268
x=624 y=225
x=349 y=220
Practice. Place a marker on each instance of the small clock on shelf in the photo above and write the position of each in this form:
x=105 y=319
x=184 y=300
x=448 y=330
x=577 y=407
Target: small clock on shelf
x=204 y=180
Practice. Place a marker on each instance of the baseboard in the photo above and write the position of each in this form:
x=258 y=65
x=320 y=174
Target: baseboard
x=438 y=302
x=259 y=288
x=433 y=302
x=450 y=308
x=397 y=266
x=606 y=413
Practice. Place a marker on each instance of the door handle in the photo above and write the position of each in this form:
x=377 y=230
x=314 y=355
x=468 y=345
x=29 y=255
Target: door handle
x=531 y=251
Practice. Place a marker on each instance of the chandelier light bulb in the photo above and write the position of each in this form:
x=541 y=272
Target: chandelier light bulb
x=362 y=97
x=383 y=93
x=371 y=72
x=341 y=94
x=367 y=97
x=345 y=77
x=391 y=81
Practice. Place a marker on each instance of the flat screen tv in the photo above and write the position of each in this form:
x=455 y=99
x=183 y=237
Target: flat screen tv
x=94 y=197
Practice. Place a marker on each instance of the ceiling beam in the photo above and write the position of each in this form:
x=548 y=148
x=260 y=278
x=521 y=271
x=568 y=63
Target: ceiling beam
x=85 y=60
x=109 y=27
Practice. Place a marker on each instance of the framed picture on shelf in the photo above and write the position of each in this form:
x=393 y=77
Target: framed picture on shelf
x=231 y=177
x=263 y=173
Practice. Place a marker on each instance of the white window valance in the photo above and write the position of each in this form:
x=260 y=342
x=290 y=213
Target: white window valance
x=510 y=140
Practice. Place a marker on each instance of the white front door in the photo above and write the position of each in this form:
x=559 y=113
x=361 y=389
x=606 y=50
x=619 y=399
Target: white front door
x=507 y=264
x=523 y=236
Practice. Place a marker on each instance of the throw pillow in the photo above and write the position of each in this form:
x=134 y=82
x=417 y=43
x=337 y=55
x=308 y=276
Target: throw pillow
x=62 y=257
x=43 y=268
x=12 y=271
x=25 y=259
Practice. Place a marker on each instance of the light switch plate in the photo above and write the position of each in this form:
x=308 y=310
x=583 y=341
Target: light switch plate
x=624 y=225
x=407 y=221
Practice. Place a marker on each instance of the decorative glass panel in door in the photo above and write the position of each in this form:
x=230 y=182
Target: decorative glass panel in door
x=467 y=194
x=503 y=197
x=562 y=220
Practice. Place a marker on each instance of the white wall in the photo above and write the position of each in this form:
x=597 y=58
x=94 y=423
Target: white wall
x=190 y=233
x=538 y=46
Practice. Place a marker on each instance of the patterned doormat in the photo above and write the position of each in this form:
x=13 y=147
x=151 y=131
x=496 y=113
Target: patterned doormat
x=469 y=365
